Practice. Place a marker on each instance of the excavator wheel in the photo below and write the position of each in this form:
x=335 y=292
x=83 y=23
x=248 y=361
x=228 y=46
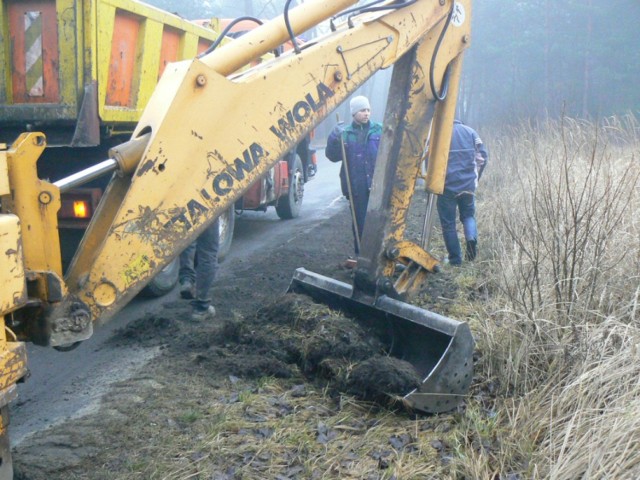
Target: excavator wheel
x=164 y=281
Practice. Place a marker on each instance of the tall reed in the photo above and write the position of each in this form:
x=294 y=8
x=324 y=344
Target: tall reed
x=560 y=232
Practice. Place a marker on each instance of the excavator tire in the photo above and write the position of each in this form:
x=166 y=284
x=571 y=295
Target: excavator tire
x=164 y=281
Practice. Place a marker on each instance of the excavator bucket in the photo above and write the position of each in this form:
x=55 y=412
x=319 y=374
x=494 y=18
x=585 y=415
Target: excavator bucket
x=440 y=349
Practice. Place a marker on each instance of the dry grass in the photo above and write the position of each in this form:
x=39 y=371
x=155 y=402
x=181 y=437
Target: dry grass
x=267 y=431
x=560 y=337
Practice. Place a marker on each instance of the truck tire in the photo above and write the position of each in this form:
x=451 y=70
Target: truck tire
x=164 y=281
x=227 y=224
x=288 y=206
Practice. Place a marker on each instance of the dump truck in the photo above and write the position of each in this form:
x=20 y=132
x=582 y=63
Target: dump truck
x=82 y=72
x=210 y=128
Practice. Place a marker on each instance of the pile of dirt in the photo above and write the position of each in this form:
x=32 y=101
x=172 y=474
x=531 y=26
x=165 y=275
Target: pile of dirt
x=148 y=331
x=324 y=344
x=289 y=337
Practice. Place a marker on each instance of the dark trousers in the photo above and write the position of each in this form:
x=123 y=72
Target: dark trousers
x=199 y=264
x=464 y=202
x=360 y=203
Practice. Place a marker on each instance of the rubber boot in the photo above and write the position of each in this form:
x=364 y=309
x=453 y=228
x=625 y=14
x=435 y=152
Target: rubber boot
x=472 y=250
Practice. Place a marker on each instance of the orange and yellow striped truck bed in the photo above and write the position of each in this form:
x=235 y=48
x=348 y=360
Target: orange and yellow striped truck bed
x=82 y=70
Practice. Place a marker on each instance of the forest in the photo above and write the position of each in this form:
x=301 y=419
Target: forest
x=538 y=59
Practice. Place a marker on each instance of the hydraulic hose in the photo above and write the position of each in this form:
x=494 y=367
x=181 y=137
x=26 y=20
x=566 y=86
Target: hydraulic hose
x=439 y=96
x=227 y=29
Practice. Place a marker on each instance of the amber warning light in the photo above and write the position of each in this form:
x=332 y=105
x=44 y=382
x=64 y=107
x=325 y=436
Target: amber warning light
x=80 y=209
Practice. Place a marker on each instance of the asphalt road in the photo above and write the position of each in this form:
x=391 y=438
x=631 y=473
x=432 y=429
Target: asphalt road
x=64 y=385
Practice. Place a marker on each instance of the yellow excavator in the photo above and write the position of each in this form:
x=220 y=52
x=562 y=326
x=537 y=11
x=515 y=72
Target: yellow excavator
x=209 y=130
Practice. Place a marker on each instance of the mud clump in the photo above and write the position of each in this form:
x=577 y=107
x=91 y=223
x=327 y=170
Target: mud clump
x=244 y=365
x=150 y=330
x=310 y=333
x=380 y=378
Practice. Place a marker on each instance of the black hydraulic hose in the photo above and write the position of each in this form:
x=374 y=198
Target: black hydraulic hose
x=288 y=25
x=370 y=7
x=224 y=33
x=393 y=6
x=358 y=9
x=439 y=96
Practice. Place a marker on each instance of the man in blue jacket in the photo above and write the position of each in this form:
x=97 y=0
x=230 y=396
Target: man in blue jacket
x=467 y=159
x=361 y=139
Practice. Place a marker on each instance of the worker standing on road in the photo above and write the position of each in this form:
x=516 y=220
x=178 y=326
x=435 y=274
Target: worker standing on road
x=467 y=159
x=198 y=268
x=359 y=141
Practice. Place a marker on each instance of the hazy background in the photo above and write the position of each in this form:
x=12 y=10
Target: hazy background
x=528 y=60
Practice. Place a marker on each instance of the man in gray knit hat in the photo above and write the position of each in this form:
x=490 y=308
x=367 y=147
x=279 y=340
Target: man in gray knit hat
x=360 y=141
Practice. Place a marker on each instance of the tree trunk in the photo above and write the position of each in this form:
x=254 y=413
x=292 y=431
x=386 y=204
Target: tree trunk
x=587 y=62
x=248 y=7
x=547 y=40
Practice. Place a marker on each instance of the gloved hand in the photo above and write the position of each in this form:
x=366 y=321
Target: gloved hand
x=338 y=129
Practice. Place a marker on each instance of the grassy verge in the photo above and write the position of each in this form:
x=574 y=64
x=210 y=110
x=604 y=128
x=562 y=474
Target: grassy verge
x=559 y=334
